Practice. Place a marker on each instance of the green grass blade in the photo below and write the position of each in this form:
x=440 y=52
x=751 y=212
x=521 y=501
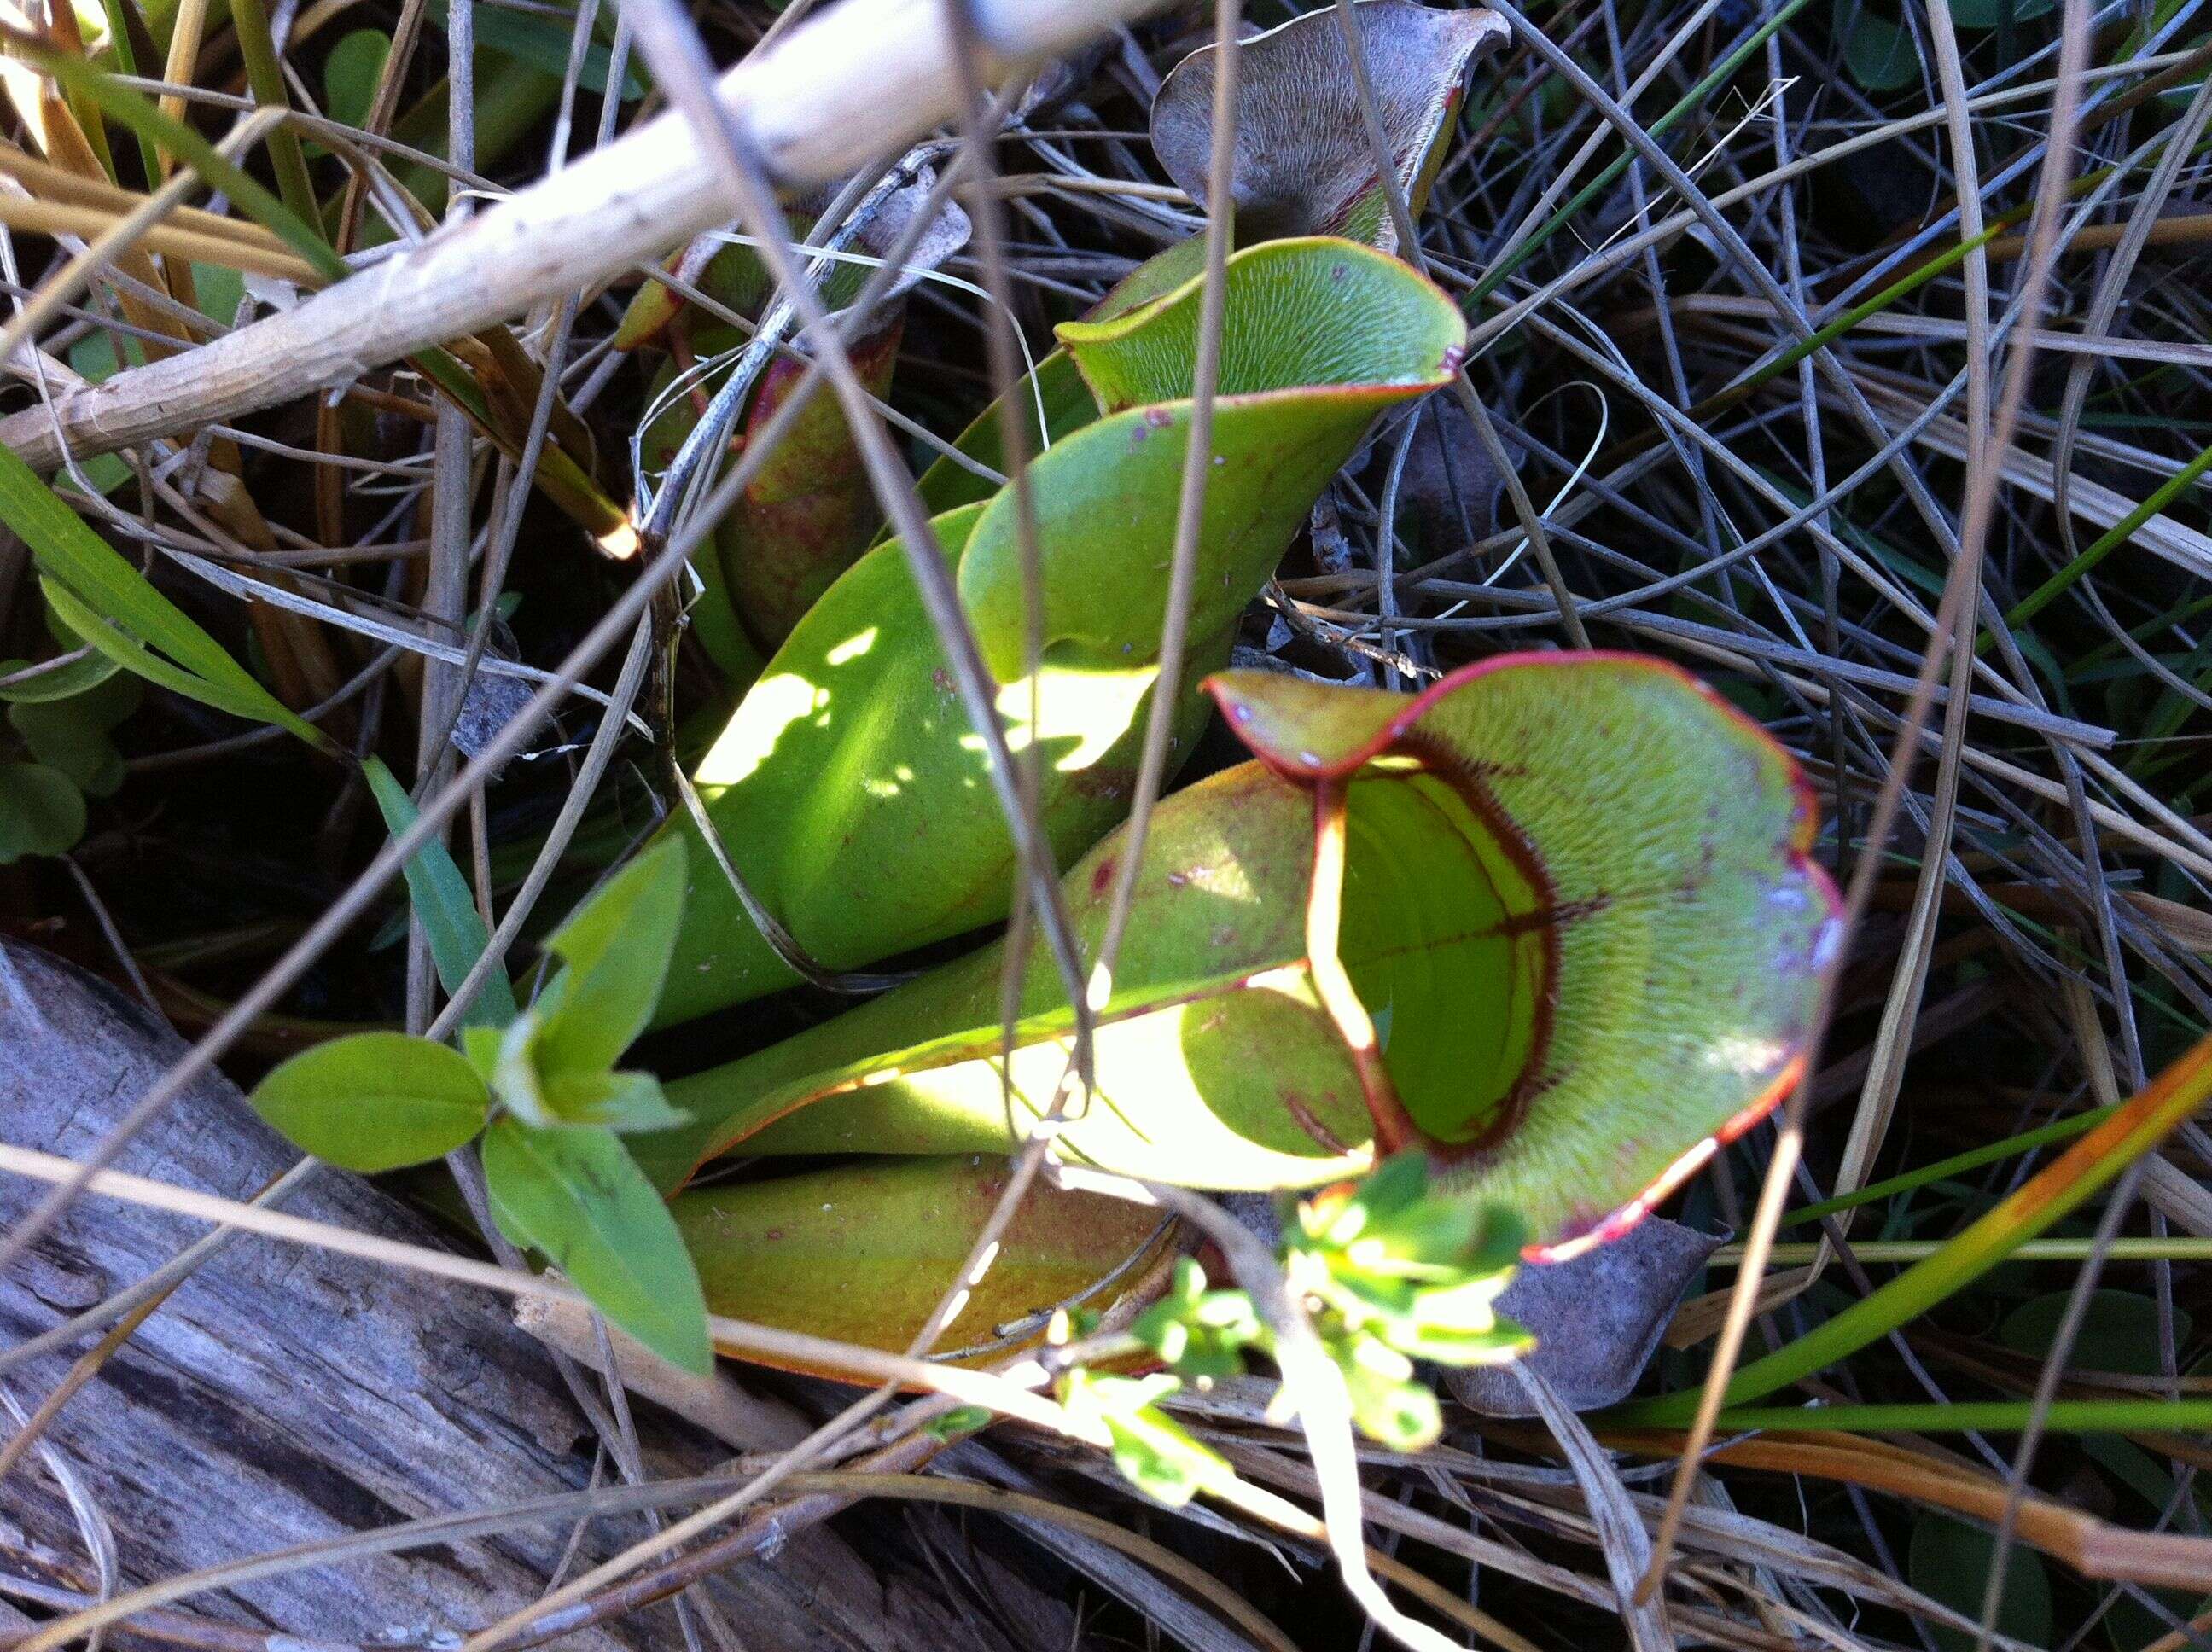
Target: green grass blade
x=1956 y=1165
x=441 y=899
x=2061 y=1187
x=1980 y=1415
x=265 y=75
x=2167 y=492
x=139 y=660
x=117 y=610
x=560 y=477
x=1714 y=78
x=128 y=106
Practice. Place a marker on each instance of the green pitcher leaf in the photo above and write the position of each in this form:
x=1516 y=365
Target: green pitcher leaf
x=863 y=1252
x=440 y=895
x=616 y=947
x=710 y=613
x=374 y=1100
x=809 y=509
x=578 y=1197
x=42 y=811
x=1309 y=170
x=1210 y=998
x=1641 y=900
x=734 y=277
x=1304 y=164
x=1330 y=318
x=848 y=787
x=1053 y=402
x=1576 y=906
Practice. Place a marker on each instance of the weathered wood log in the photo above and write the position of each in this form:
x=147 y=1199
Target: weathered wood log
x=282 y=1396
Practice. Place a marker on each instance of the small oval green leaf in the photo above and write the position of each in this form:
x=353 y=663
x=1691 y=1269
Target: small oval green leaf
x=71 y=735
x=40 y=812
x=82 y=667
x=616 y=946
x=578 y=1197
x=351 y=72
x=1995 y=14
x=1879 y=54
x=1950 y=1560
x=374 y=1100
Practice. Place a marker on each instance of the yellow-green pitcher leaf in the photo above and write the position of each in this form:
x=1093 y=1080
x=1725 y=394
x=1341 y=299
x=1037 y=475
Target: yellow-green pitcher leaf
x=1636 y=872
x=1577 y=906
x=849 y=788
x=864 y=1252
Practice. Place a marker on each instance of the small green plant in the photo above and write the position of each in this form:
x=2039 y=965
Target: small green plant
x=59 y=718
x=1153 y=1451
x=1389 y=1269
x=539 y=1083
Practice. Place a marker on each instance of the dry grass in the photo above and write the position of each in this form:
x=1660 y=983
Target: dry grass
x=1970 y=528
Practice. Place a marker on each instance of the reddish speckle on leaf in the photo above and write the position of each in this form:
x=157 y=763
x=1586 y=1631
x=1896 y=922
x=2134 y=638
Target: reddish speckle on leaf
x=1102 y=876
x=1307 y=1120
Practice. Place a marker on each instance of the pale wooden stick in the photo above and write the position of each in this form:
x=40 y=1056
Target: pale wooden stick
x=861 y=80
x=997 y=1393
x=740 y=1419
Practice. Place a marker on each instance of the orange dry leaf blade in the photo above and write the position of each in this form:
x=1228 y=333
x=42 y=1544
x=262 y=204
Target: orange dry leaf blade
x=2088 y=1164
x=2094 y=1547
